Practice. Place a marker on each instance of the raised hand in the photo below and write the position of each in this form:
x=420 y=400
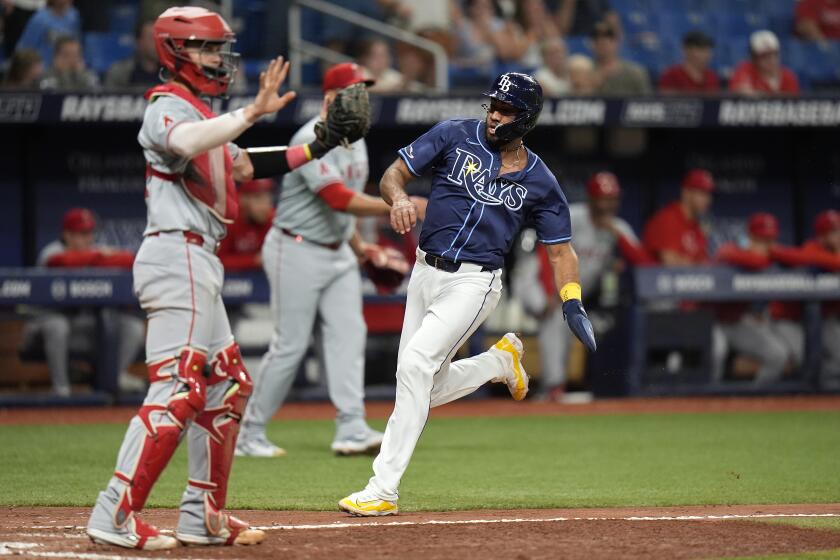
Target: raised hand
x=268 y=99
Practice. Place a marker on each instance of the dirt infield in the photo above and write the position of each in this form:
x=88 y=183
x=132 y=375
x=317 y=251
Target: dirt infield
x=482 y=407
x=651 y=533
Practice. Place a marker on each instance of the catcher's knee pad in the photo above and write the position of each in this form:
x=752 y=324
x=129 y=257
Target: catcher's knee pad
x=227 y=366
x=191 y=398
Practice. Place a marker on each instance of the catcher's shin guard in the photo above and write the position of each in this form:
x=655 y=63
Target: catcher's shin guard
x=211 y=452
x=163 y=425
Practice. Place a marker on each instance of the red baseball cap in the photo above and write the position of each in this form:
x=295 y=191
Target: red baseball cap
x=826 y=222
x=603 y=185
x=699 y=179
x=345 y=74
x=764 y=226
x=80 y=220
x=256 y=186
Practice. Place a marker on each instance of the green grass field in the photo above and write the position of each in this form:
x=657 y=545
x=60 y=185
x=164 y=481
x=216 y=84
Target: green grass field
x=466 y=463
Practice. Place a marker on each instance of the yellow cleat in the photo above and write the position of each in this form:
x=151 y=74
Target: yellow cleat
x=365 y=504
x=516 y=379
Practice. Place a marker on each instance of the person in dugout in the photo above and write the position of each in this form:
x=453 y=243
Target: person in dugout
x=822 y=253
x=58 y=333
x=598 y=232
x=763 y=349
x=241 y=249
x=674 y=236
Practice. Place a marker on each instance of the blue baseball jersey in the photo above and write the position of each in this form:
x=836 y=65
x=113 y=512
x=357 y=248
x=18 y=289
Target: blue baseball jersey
x=473 y=213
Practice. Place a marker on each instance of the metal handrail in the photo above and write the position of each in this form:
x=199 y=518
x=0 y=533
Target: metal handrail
x=298 y=45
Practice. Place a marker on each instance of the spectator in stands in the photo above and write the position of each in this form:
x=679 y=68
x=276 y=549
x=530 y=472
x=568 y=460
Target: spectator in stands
x=538 y=27
x=375 y=56
x=693 y=75
x=68 y=70
x=763 y=351
x=241 y=249
x=43 y=30
x=614 y=75
x=581 y=75
x=674 y=235
x=598 y=232
x=17 y=14
x=817 y=20
x=142 y=69
x=578 y=18
x=553 y=75
x=25 y=70
x=73 y=330
x=763 y=74
x=484 y=36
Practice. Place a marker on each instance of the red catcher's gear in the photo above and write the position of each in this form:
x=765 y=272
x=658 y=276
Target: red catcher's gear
x=175 y=27
x=764 y=226
x=603 y=185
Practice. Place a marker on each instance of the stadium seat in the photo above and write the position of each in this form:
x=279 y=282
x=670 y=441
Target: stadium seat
x=123 y=17
x=578 y=45
x=103 y=49
x=812 y=61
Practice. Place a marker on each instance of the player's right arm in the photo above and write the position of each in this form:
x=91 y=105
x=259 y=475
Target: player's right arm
x=392 y=189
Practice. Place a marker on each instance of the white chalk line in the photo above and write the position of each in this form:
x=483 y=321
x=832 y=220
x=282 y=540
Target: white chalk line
x=339 y=525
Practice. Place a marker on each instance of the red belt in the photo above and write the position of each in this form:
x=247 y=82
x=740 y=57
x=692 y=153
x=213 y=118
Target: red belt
x=173 y=177
x=332 y=246
x=191 y=237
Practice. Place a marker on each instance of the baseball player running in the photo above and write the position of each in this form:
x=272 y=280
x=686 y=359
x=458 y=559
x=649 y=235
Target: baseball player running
x=311 y=257
x=199 y=386
x=486 y=185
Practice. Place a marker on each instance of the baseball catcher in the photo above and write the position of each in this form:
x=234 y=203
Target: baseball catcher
x=199 y=386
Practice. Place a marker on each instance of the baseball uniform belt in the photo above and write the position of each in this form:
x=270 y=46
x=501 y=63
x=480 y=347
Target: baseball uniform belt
x=331 y=246
x=192 y=238
x=451 y=266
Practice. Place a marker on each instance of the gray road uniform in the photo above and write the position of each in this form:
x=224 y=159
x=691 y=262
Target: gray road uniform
x=315 y=285
x=61 y=332
x=596 y=254
x=198 y=385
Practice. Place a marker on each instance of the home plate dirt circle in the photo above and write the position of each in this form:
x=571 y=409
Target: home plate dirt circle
x=673 y=532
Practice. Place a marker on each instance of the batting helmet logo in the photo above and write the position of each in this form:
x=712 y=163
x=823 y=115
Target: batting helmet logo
x=504 y=83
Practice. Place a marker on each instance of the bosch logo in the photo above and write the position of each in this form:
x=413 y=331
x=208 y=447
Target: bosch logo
x=504 y=83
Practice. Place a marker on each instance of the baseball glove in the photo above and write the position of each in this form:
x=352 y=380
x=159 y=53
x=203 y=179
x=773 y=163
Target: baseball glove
x=348 y=117
x=386 y=267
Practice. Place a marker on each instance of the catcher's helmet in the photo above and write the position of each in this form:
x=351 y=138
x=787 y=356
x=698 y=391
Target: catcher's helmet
x=176 y=27
x=523 y=92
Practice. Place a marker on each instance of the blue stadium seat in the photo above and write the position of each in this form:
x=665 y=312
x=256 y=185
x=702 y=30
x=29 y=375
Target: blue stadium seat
x=673 y=25
x=578 y=45
x=742 y=24
x=124 y=17
x=103 y=49
x=813 y=62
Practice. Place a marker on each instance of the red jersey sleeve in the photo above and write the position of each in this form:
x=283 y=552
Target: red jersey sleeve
x=789 y=83
x=661 y=234
x=742 y=258
x=634 y=253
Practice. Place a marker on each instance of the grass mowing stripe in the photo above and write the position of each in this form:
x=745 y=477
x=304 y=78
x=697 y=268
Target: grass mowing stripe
x=473 y=463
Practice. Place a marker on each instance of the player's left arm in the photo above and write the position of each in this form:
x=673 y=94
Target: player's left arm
x=564 y=263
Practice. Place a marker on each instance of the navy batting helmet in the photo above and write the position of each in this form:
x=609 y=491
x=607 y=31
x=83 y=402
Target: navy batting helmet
x=523 y=92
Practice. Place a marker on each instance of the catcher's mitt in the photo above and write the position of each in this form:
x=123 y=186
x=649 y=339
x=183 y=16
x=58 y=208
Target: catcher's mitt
x=348 y=117
x=386 y=267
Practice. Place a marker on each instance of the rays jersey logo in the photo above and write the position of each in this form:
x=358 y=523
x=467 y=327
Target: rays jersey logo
x=467 y=172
